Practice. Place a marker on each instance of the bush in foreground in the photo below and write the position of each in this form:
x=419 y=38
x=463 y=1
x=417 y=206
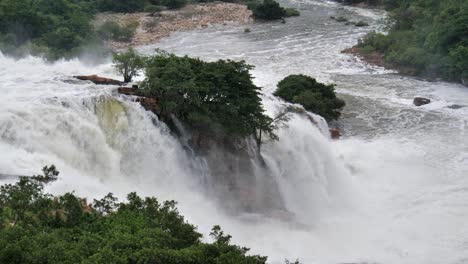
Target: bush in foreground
x=36 y=227
x=316 y=97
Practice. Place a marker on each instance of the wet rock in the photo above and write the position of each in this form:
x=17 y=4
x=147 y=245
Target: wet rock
x=335 y=133
x=150 y=104
x=418 y=101
x=127 y=90
x=98 y=80
x=455 y=106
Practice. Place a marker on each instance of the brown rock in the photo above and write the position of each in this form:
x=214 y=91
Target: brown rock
x=127 y=90
x=418 y=101
x=150 y=104
x=335 y=133
x=98 y=80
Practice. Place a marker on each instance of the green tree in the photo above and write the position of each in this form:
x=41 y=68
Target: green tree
x=214 y=98
x=269 y=10
x=316 y=97
x=128 y=63
x=36 y=227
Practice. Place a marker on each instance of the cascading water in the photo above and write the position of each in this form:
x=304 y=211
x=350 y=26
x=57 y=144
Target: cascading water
x=394 y=190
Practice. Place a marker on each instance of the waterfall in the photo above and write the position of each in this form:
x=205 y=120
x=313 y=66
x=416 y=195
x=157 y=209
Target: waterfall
x=393 y=190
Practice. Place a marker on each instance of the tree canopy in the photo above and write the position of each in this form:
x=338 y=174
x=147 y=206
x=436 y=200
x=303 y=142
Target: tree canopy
x=316 y=97
x=128 y=63
x=36 y=227
x=216 y=98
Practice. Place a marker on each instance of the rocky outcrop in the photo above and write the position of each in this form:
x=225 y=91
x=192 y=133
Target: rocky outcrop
x=190 y=17
x=127 y=90
x=418 y=101
x=150 y=104
x=335 y=133
x=98 y=80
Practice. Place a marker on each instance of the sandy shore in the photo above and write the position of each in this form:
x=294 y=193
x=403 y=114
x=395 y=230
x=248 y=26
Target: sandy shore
x=190 y=17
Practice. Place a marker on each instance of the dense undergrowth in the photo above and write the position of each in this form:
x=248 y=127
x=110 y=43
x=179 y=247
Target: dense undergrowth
x=428 y=36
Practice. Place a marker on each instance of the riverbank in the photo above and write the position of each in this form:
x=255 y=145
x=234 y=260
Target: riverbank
x=152 y=27
x=378 y=59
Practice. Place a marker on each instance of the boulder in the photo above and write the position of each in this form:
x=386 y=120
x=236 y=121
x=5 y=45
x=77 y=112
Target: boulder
x=98 y=80
x=418 y=101
x=335 y=133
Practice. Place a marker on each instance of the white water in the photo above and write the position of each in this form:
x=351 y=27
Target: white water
x=393 y=190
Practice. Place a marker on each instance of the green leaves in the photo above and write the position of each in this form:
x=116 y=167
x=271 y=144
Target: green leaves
x=39 y=228
x=316 y=97
x=128 y=64
x=215 y=98
x=428 y=36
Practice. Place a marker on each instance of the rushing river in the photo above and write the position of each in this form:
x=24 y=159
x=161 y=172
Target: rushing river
x=394 y=189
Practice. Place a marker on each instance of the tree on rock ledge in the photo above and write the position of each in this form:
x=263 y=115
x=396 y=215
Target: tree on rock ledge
x=128 y=64
x=217 y=99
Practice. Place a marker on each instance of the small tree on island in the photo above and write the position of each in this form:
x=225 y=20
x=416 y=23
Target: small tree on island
x=316 y=97
x=128 y=63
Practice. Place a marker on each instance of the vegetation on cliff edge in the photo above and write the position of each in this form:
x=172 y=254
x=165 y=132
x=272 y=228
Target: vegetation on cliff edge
x=214 y=98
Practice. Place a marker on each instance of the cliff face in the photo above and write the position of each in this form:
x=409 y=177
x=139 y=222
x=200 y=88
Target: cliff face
x=236 y=174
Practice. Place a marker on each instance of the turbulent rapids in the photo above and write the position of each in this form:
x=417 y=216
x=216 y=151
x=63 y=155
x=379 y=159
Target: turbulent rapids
x=393 y=190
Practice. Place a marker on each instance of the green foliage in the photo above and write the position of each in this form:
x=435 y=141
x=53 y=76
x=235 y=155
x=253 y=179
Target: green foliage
x=215 y=98
x=268 y=10
x=341 y=19
x=62 y=26
x=36 y=227
x=316 y=97
x=292 y=12
x=429 y=36
x=361 y=24
x=111 y=30
x=128 y=64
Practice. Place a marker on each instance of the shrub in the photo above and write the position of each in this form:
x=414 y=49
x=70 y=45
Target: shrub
x=361 y=24
x=316 y=97
x=292 y=12
x=341 y=19
x=247 y=30
x=128 y=64
x=269 y=10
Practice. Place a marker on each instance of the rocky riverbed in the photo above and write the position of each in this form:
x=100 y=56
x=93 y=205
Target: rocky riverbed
x=166 y=22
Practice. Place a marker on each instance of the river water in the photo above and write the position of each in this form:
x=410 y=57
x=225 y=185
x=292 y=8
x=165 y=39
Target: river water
x=394 y=189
